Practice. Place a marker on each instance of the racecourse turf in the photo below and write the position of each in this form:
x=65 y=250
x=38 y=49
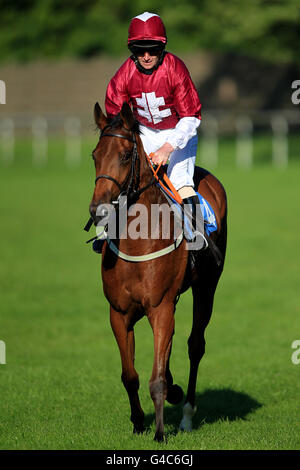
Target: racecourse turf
x=60 y=387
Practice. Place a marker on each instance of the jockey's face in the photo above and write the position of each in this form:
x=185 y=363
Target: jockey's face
x=147 y=60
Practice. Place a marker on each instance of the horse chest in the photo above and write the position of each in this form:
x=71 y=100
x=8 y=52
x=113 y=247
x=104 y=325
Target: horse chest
x=121 y=291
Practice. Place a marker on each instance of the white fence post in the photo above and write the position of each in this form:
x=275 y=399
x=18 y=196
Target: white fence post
x=244 y=142
x=40 y=141
x=209 y=142
x=2 y=352
x=8 y=140
x=2 y=92
x=280 y=145
x=72 y=127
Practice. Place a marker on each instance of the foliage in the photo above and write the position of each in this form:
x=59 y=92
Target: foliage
x=31 y=29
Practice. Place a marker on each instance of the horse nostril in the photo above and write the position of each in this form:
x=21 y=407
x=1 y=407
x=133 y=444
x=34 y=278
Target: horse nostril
x=93 y=209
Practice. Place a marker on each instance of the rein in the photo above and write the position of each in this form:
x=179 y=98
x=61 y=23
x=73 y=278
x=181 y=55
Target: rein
x=132 y=192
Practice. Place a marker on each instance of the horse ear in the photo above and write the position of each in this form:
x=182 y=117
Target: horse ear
x=127 y=116
x=100 y=118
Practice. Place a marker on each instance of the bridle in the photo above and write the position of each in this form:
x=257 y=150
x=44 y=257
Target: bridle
x=130 y=186
x=131 y=181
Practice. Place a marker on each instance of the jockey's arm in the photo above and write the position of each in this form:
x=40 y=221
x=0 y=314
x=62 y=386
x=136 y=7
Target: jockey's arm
x=178 y=138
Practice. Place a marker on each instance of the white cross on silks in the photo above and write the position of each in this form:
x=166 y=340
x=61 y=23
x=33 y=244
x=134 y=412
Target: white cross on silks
x=150 y=104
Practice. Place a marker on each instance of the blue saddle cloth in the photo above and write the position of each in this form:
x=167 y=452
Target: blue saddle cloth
x=210 y=222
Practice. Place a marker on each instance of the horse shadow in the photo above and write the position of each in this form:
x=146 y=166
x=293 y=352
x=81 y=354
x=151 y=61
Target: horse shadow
x=213 y=405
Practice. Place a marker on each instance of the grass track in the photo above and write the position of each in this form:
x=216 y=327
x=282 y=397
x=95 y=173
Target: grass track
x=61 y=388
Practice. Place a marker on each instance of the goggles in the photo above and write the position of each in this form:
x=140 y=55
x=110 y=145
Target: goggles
x=152 y=49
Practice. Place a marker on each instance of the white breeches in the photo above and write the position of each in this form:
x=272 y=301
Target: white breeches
x=182 y=161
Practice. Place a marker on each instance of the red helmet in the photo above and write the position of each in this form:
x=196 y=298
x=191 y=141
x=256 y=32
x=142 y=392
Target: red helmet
x=147 y=27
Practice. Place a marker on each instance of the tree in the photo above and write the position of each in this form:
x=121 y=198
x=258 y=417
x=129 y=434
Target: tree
x=267 y=29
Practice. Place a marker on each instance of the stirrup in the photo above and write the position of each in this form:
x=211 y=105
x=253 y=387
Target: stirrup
x=197 y=239
x=98 y=245
x=99 y=241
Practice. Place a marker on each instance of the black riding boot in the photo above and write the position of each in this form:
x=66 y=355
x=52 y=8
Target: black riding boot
x=193 y=211
x=199 y=241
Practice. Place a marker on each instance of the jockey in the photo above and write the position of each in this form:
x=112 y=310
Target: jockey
x=165 y=102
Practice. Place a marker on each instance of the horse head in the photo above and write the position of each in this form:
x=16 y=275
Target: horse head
x=113 y=157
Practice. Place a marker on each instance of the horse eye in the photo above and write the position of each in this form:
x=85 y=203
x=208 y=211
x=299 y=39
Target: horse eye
x=125 y=156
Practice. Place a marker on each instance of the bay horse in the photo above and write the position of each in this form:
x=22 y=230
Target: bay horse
x=151 y=287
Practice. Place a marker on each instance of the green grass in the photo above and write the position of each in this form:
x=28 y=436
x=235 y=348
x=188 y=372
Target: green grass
x=61 y=387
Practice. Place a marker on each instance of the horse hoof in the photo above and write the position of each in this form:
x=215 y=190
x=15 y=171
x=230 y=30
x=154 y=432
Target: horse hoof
x=160 y=437
x=174 y=395
x=138 y=429
x=187 y=420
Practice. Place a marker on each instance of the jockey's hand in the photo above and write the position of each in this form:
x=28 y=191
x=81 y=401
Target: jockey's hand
x=162 y=154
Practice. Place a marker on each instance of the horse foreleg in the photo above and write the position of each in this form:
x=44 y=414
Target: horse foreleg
x=203 y=297
x=162 y=322
x=125 y=339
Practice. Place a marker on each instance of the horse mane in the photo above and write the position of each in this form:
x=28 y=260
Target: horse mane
x=117 y=122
